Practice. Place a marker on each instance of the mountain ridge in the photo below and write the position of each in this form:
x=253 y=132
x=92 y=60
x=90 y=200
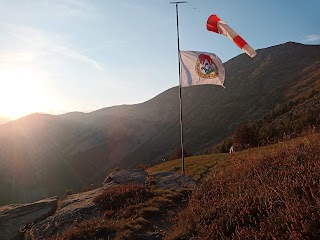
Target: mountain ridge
x=87 y=145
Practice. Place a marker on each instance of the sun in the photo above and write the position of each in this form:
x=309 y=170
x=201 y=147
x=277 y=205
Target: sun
x=21 y=93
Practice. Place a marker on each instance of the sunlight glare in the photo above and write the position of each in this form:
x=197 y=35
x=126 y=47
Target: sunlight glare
x=21 y=93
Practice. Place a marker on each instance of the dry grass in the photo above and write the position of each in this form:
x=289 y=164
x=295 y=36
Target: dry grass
x=117 y=197
x=197 y=167
x=270 y=192
x=130 y=210
x=273 y=194
x=98 y=228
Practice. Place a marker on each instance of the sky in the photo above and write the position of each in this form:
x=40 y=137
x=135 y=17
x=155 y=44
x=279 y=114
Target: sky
x=82 y=55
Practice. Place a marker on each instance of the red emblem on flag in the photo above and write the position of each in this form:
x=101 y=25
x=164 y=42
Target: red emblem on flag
x=205 y=67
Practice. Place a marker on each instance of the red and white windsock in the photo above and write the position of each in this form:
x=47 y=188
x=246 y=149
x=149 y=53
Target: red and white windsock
x=214 y=24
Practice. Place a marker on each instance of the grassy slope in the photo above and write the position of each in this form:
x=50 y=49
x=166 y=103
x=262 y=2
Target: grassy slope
x=262 y=193
x=198 y=167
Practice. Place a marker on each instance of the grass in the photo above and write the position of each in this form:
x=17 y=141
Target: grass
x=130 y=210
x=196 y=167
x=117 y=197
x=270 y=192
x=98 y=228
x=263 y=193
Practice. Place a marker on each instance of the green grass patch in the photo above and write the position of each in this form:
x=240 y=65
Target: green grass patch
x=196 y=167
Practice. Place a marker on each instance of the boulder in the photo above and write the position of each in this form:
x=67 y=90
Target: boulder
x=125 y=176
x=75 y=208
x=172 y=180
x=15 y=218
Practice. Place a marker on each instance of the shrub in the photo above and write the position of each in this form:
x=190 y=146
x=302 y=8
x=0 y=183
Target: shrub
x=245 y=137
x=176 y=153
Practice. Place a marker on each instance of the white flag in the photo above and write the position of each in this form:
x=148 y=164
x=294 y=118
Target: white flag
x=199 y=68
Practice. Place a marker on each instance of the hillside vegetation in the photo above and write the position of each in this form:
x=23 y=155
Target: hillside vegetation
x=299 y=113
x=196 y=167
x=131 y=211
x=269 y=194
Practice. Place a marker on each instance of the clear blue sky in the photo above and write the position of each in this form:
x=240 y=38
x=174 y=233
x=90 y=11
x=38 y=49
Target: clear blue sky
x=81 y=55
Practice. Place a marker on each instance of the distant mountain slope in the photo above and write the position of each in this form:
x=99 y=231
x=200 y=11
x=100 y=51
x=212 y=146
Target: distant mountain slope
x=298 y=111
x=4 y=120
x=43 y=154
x=253 y=88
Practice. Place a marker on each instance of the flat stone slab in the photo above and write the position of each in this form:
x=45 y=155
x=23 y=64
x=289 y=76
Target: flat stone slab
x=172 y=180
x=126 y=176
x=75 y=208
x=15 y=218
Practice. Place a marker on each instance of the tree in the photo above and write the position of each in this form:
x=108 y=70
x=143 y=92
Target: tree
x=176 y=153
x=245 y=137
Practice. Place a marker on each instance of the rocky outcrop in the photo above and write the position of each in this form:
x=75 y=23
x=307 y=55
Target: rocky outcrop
x=16 y=218
x=75 y=208
x=45 y=220
x=172 y=180
x=169 y=180
x=126 y=176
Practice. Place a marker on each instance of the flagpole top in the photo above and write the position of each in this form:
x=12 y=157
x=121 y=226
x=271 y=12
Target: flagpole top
x=177 y=2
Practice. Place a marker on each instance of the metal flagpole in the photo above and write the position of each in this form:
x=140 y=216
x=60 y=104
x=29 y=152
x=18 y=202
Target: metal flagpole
x=180 y=95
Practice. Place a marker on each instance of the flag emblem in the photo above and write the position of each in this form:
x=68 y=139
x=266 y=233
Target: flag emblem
x=205 y=67
x=199 y=68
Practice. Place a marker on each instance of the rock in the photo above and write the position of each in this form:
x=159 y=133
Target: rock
x=126 y=176
x=16 y=217
x=80 y=207
x=75 y=208
x=173 y=180
x=170 y=180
